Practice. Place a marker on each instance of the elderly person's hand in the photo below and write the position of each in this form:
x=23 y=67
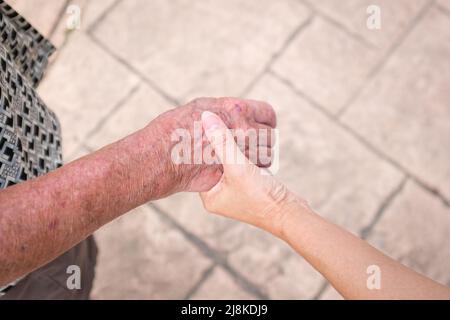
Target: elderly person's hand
x=60 y=209
x=235 y=113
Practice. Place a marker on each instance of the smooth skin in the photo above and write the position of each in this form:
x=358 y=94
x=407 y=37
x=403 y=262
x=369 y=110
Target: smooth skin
x=244 y=193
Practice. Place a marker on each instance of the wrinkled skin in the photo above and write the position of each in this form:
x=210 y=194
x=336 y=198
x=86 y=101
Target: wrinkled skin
x=236 y=114
x=44 y=217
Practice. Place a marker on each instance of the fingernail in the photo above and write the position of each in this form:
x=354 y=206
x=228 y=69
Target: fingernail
x=210 y=121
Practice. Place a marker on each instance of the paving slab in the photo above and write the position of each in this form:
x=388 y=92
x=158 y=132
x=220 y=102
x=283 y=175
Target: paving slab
x=141 y=257
x=330 y=294
x=444 y=4
x=191 y=49
x=251 y=252
x=89 y=12
x=274 y=267
x=318 y=160
x=42 y=14
x=208 y=48
x=139 y=109
x=221 y=286
x=323 y=163
x=405 y=111
x=94 y=10
x=82 y=87
x=327 y=166
x=414 y=230
x=187 y=209
x=395 y=18
x=326 y=64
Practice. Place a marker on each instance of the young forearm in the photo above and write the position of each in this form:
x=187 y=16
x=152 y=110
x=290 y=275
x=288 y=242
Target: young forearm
x=343 y=259
x=248 y=194
x=42 y=218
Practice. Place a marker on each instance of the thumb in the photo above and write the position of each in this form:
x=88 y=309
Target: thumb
x=222 y=141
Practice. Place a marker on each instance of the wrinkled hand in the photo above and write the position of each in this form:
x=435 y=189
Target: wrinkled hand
x=235 y=113
x=244 y=191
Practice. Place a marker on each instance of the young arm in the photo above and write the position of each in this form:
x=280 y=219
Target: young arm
x=245 y=194
x=44 y=217
x=343 y=259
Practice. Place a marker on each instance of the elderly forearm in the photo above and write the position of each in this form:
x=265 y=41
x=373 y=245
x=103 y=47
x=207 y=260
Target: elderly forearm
x=42 y=218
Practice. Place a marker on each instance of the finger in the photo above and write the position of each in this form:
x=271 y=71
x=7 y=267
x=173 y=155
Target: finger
x=263 y=113
x=262 y=156
x=222 y=142
x=266 y=135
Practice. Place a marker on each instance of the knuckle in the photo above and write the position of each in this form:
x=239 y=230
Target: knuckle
x=231 y=103
x=195 y=101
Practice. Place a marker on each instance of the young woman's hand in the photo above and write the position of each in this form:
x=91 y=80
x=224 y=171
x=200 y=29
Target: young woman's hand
x=244 y=192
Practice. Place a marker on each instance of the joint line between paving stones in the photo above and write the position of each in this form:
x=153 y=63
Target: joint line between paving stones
x=51 y=34
x=199 y=243
x=136 y=72
x=365 y=232
x=103 y=120
x=66 y=36
x=442 y=9
x=56 y=23
x=304 y=96
x=315 y=104
x=339 y=25
x=102 y=17
x=207 y=251
x=85 y=146
x=362 y=140
x=205 y=276
x=302 y=26
x=385 y=58
x=114 y=110
x=323 y=287
x=433 y=191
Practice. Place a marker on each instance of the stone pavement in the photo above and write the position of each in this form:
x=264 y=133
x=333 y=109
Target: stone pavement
x=364 y=119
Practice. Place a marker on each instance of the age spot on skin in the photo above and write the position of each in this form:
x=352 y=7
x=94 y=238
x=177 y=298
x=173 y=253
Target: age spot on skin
x=237 y=108
x=52 y=225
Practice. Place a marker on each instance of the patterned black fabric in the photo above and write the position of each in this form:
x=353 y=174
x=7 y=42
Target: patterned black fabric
x=30 y=140
x=28 y=49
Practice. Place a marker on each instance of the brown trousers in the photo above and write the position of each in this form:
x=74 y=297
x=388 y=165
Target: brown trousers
x=50 y=281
